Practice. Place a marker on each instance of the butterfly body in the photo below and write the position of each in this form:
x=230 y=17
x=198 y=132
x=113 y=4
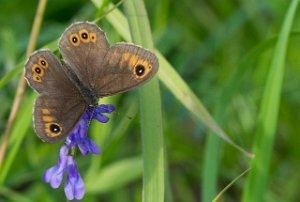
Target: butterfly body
x=86 y=91
x=91 y=69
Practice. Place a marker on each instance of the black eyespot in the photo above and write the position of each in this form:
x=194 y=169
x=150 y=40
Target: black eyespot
x=37 y=70
x=74 y=39
x=84 y=35
x=139 y=70
x=43 y=62
x=54 y=128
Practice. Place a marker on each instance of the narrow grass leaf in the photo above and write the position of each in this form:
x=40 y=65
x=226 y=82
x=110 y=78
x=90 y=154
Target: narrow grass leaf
x=229 y=185
x=150 y=106
x=257 y=181
x=22 y=122
x=115 y=176
x=7 y=77
x=13 y=195
x=213 y=144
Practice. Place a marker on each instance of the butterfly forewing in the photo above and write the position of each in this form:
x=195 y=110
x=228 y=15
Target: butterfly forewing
x=83 y=46
x=44 y=72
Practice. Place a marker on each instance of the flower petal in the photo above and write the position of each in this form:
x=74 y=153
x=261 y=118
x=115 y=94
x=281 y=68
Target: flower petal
x=105 y=108
x=79 y=131
x=64 y=150
x=74 y=186
x=86 y=145
x=101 y=118
x=54 y=175
x=99 y=110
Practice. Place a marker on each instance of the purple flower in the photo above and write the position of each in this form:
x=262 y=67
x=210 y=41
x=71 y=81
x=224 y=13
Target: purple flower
x=79 y=137
x=74 y=186
x=103 y=109
x=54 y=175
x=86 y=145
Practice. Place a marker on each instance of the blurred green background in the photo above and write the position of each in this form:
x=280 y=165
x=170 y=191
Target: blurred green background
x=206 y=42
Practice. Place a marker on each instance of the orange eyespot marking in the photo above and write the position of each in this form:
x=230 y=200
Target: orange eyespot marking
x=47 y=118
x=53 y=129
x=45 y=111
x=142 y=69
x=126 y=56
x=139 y=71
x=43 y=63
x=93 y=37
x=146 y=64
x=36 y=69
x=84 y=35
x=74 y=39
x=133 y=60
x=36 y=78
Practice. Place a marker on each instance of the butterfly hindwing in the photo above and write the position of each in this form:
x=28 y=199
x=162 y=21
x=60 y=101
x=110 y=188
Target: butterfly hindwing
x=55 y=116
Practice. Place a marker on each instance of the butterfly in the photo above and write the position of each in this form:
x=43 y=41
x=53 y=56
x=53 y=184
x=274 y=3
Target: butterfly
x=90 y=69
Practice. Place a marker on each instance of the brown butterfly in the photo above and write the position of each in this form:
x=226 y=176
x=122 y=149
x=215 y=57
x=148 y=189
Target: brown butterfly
x=91 y=69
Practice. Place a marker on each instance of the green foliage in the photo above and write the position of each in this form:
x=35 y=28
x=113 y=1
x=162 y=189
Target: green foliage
x=229 y=56
x=267 y=122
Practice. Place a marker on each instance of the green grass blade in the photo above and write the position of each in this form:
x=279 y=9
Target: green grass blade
x=257 y=180
x=23 y=121
x=115 y=176
x=186 y=96
x=229 y=185
x=124 y=121
x=213 y=144
x=13 y=195
x=210 y=168
x=15 y=71
x=150 y=106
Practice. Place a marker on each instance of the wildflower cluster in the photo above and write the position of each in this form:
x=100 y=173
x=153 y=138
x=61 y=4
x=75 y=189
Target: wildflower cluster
x=74 y=185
